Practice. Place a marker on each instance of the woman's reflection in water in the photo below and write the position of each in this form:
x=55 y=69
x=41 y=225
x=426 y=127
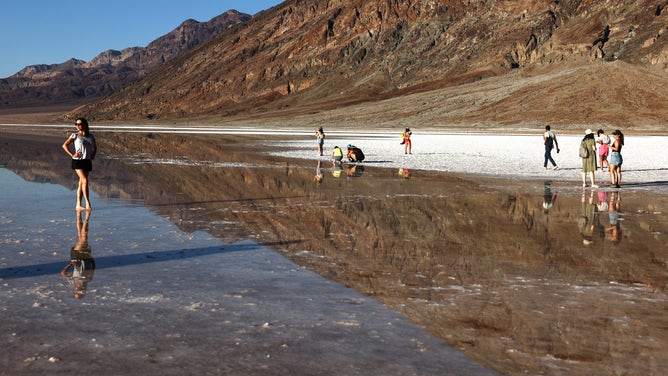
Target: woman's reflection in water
x=81 y=262
x=613 y=214
x=587 y=222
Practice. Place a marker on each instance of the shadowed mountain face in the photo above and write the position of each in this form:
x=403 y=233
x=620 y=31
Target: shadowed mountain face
x=75 y=81
x=441 y=62
x=526 y=277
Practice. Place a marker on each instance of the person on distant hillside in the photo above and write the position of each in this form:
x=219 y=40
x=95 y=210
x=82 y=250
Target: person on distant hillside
x=84 y=152
x=407 y=141
x=354 y=154
x=616 y=158
x=337 y=155
x=550 y=141
x=320 y=140
x=603 y=150
x=589 y=162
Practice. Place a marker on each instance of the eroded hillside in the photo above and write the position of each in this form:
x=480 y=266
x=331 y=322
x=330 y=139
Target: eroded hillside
x=481 y=62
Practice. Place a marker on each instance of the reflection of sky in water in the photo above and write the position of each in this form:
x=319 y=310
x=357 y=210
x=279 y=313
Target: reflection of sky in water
x=39 y=225
x=184 y=299
x=140 y=255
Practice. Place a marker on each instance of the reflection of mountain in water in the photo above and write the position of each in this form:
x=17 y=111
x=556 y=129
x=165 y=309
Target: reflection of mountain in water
x=482 y=265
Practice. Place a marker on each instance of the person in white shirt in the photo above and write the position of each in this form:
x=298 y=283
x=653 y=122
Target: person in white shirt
x=84 y=152
x=550 y=141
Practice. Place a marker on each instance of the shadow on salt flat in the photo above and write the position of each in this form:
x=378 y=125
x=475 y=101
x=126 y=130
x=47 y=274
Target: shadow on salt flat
x=115 y=261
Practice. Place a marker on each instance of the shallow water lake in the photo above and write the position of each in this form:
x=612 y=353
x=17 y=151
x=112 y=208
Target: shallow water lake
x=520 y=275
x=144 y=294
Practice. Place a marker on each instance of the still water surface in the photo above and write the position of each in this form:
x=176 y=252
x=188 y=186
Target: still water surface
x=523 y=276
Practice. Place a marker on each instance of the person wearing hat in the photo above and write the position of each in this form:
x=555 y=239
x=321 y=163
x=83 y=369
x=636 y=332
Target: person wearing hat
x=589 y=162
x=616 y=158
x=354 y=154
x=550 y=141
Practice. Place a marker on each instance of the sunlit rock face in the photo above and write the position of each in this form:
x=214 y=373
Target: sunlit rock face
x=453 y=62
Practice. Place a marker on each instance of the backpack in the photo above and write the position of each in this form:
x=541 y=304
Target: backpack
x=584 y=152
x=358 y=154
x=549 y=142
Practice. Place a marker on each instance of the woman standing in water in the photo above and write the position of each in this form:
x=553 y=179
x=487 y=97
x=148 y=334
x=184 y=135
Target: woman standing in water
x=85 y=149
x=589 y=162
x=616 y=158
x=320 y=139
x=407 y=141
x=603 y=140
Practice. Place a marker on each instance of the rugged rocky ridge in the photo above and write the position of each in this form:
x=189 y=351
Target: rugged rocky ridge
x=76 y=81
x=306 y=56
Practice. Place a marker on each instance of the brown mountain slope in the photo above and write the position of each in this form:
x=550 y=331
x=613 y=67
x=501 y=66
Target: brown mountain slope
x=303 y=57
x=75 y=81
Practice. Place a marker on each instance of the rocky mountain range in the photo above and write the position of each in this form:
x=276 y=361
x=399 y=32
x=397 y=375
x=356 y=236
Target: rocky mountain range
x=75 y=81
x=446 y=62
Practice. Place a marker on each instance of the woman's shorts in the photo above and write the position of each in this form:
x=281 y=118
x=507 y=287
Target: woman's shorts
x=338 y=158
x=603 y=150
x=82 y=164
x=615 y=159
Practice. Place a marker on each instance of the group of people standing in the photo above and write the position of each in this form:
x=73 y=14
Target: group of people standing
x=593 y=148
x=608 y=153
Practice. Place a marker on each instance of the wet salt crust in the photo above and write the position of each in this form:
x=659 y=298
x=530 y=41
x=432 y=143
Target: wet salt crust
x=506 y=156
x=514 y=156
x=183 y=303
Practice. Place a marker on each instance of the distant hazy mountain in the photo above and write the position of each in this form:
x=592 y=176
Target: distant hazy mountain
x=75 y=81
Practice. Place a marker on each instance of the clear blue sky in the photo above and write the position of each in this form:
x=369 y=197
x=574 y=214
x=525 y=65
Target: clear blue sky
x=53 y=31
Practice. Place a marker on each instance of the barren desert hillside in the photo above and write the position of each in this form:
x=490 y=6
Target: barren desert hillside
x=439 y=63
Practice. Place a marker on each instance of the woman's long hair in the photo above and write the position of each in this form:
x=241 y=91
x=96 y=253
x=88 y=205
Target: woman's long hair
x=621 y=136
x=83 y=121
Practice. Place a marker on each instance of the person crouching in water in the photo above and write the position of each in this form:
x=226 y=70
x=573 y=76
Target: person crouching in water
x=354 y=154
x=337 y=155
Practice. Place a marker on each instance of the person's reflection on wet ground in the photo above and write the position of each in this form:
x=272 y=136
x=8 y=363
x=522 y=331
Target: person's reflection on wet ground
x=337 y=170
x=548 y=197
x=81 y=262
x=354 y=170
x=602 y=205
x=587 y=222
x=614 y=206
x=319 y=173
